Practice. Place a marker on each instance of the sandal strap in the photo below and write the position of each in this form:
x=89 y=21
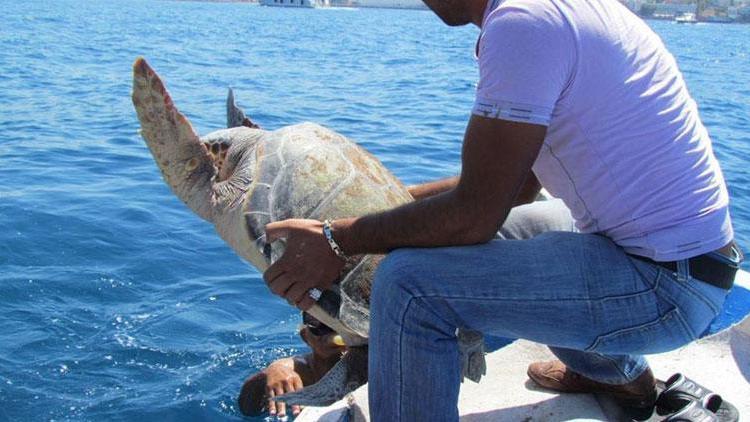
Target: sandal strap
x=685 y=385
x=692 y=411
x=678 y=389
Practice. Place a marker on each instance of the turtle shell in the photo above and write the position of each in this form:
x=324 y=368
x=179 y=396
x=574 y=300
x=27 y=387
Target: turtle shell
x=309 y=171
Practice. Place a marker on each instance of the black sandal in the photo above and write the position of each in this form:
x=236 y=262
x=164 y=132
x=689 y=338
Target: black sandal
x=692 y=411
x=679 y=391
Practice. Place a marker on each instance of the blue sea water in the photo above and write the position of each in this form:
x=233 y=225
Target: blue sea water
x=116 y=302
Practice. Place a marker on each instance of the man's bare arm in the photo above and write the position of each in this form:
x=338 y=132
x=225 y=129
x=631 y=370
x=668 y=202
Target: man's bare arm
x=526 y=195
x=497 y=158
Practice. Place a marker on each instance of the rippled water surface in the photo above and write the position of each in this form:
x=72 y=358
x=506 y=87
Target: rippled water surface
x=116 y=302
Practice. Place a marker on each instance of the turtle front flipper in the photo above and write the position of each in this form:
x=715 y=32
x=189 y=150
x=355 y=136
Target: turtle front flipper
x=346 y=376
x=186 y=165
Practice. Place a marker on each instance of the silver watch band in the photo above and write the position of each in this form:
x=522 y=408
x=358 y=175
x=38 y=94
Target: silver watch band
x=328 y=233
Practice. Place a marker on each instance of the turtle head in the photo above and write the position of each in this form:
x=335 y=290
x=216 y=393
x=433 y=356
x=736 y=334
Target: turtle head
x=211 y=175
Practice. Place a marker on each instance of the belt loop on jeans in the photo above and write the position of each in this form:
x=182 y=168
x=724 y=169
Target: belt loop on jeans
x=683 y=270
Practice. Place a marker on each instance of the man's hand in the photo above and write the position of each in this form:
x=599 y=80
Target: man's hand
x=281 y=379
x=308 y=261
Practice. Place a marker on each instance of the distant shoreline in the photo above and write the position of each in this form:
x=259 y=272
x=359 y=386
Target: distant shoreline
x=357 y=6
x=222 y=1
x=644 y=17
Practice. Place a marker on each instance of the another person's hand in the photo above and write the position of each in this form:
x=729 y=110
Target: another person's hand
x=308 y=262
x=259 y=390
x=281 y=379
x=290 y=374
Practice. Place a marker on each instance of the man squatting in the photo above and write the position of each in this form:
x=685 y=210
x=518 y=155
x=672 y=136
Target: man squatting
x=635 y=257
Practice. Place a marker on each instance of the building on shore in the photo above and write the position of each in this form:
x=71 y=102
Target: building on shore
x=704 y=10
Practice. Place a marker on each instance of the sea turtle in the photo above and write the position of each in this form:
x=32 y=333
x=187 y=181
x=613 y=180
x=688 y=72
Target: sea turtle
x=243 y=177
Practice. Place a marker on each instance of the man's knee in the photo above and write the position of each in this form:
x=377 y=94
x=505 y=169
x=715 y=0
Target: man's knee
x=530 y=220
x=394 y=276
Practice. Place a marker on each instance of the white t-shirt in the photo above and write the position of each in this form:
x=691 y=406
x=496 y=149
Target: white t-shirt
x=625 y=147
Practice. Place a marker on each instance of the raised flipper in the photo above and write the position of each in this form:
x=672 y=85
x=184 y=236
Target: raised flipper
x=235 y=116
x=183 y=160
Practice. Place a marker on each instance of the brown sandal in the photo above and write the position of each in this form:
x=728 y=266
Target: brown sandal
x=637 y=398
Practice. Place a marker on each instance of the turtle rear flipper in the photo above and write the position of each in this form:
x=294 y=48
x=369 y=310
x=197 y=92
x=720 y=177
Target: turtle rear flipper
x=235 y=116
x=346 y=376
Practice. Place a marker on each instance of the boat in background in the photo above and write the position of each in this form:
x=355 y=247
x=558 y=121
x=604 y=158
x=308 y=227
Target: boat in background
x=295 y=3
x=686 y=18
x=390 y=4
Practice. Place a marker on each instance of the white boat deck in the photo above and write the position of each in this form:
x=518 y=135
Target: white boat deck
x=720 y=362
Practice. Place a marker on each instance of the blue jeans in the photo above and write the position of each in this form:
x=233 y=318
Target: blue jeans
x=597 y=308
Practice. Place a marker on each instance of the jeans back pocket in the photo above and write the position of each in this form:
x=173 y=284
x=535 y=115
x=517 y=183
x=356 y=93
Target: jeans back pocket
x=660 y=335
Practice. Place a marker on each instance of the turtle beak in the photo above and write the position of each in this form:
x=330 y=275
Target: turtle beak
x=185 y=164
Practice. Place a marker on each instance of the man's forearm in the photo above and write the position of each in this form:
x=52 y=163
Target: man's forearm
x=439 y=217
x=526 y=195
x=439 y=220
